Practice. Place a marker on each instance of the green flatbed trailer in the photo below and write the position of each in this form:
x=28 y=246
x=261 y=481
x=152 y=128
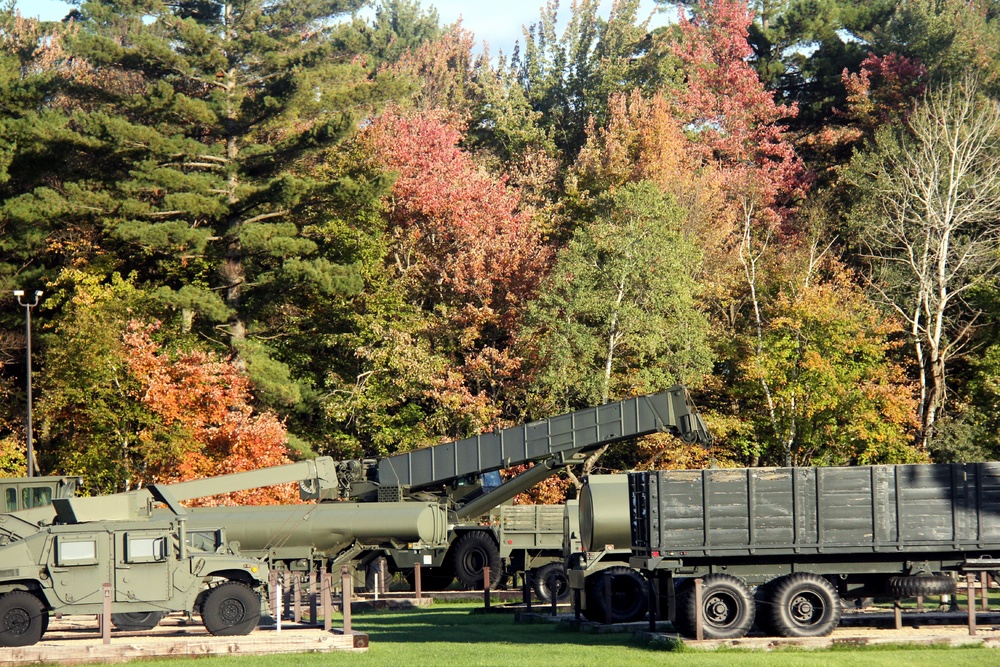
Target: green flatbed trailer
x=804 y=538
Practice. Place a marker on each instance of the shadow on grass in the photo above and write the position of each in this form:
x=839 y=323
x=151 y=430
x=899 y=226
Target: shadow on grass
x=467 y=624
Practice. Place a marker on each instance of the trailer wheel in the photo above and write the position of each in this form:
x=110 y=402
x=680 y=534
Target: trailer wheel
x=22 y=619
x=551 y=580
x=134 y=621
x=470 y=554
x=231 y=609
x=727 y=608
x=628 y=595
x=919 y=586
x=804 y=605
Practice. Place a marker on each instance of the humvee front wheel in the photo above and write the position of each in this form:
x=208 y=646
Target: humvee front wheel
x=231 y=609
x=22 y=619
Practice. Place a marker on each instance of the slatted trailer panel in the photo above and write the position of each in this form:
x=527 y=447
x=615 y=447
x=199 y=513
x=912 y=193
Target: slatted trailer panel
x=776 y=511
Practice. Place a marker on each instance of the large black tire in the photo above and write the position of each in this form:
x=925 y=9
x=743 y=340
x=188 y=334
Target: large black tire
x=727 y=608
x=231 y=609
x=374 y=572
x=137 y=621
x=629 y=600
x=551 y=580
x=470 y=554
x=803 y=605
x=22 y=619
x=919 y=586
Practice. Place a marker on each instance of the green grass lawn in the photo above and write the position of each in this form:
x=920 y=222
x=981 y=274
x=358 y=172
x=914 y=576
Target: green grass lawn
x=457 y=636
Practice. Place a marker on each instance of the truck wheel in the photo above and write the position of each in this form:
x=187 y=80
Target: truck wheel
x=470 y=554
x=231 y=609
x=22 y=619
x=919 y=586
x=727 y=608
x=134 y=621
x=550 y=579
x=804 y=605
x=628 y=595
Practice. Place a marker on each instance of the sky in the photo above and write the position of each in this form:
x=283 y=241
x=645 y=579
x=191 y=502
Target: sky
x=498 y=23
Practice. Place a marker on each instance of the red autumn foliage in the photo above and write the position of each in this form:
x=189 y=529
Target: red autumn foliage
x=734 y=118
x=884 y=90
x=207 y=425
x=465 y=254
x=461 y=237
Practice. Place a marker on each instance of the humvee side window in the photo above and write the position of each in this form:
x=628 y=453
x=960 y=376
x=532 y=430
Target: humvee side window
x=204 y=540
x=145 y=549
x=76 y=552
x=11 y=498
x=36 y=496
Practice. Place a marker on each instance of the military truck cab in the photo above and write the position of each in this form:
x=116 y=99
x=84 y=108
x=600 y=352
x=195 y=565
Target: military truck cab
x=22 y=493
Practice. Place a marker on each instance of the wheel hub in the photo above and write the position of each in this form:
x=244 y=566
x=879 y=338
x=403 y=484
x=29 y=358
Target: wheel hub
x=719 y=611
x=16 y=621
x=806 y=610
x=232 y=611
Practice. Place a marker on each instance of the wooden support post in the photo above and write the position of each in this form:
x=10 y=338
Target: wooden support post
x=577 y=604
x=297 y=598
x=984 y=582
x=897 y=613
x=486 y=587
x=920 y=603
x=970 y=582
x=106 y=614
x=416 y=579
x=345 y=593
x=326 y=599
x=526 y=590
x=699 y=613
x=382 y=585
x=313 y=615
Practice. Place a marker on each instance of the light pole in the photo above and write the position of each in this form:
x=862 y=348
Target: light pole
x=27 y=329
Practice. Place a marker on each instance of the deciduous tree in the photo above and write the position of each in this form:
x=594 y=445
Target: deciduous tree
x=929 y=222
x=819 y=386
x=459 y=267
x=122 y=411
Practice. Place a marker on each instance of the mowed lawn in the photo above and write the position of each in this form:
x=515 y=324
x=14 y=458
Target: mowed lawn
x=455 y=635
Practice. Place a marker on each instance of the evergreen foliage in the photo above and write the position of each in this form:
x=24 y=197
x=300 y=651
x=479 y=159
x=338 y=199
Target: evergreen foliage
x=356 y=234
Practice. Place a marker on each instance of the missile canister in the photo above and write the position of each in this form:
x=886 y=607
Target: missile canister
x=324 y=526
x=604 y=517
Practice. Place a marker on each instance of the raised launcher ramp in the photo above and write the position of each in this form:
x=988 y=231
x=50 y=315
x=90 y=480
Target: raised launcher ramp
x=563 y=439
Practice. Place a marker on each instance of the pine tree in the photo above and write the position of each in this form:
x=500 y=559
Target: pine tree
x=190 y=151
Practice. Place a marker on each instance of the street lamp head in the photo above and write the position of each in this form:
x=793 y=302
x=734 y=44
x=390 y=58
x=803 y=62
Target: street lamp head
x=19 y=292
x=38 y=293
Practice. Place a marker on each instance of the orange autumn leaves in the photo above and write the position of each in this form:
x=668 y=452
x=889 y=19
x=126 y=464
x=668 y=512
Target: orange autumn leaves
x=206 y=424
